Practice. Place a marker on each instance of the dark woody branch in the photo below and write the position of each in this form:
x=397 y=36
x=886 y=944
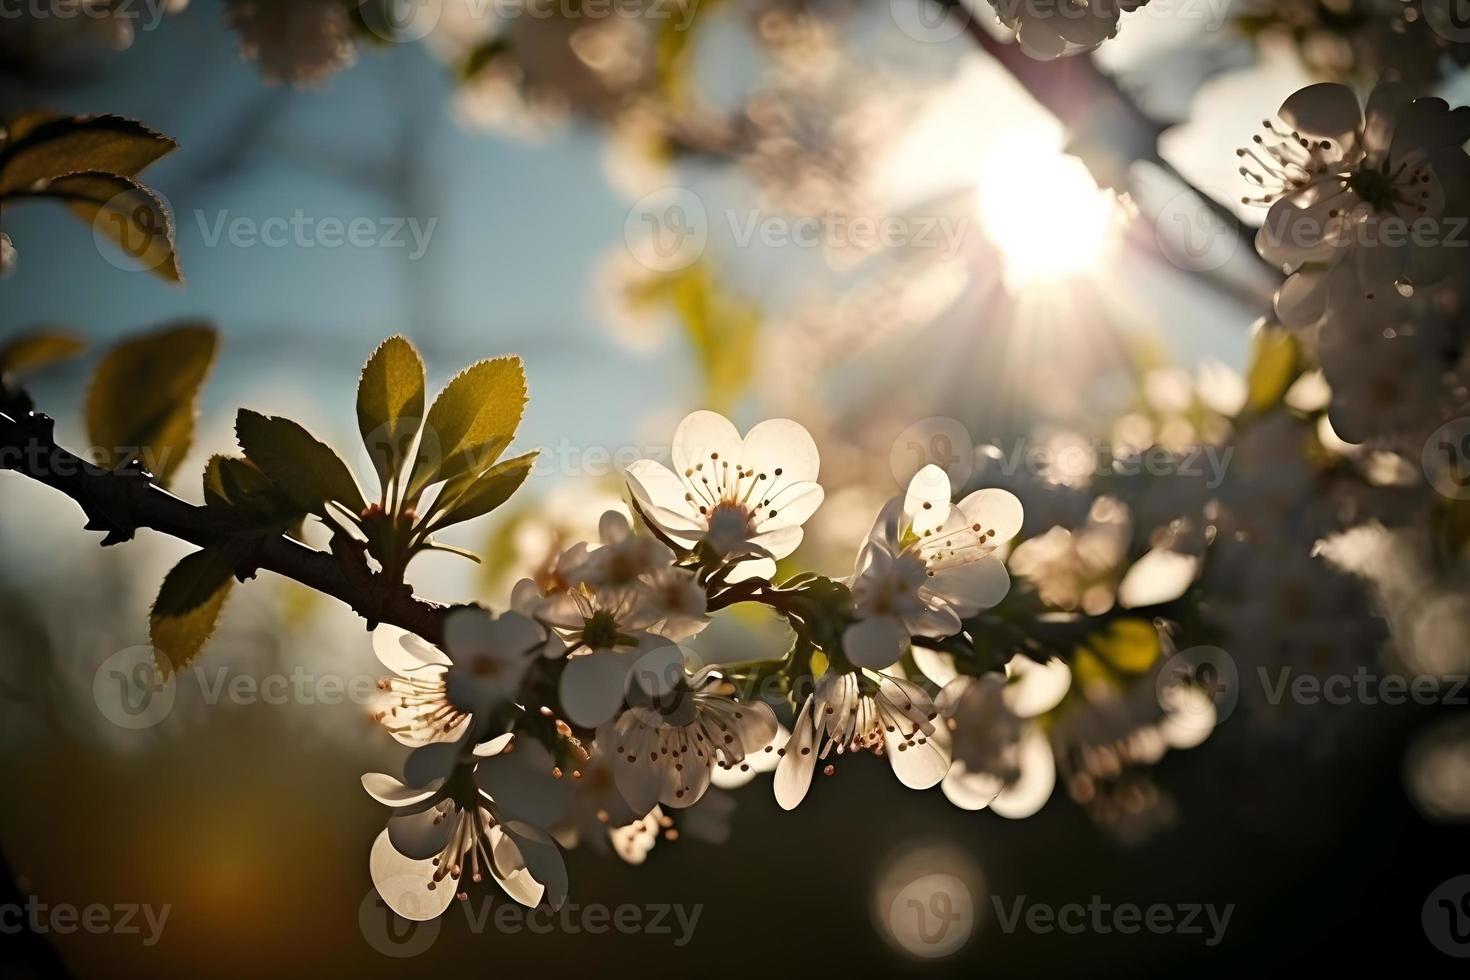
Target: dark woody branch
x=119 y=502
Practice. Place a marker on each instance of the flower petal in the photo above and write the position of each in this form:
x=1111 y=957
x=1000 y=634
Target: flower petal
x=794 y=771
x=926 y=505
x=876 y=642
x=404 y=883
x=701 y=439
x=403 y=652
x=994 y=510
x=390 y=792
x=592 y=687
x=1326 y=110
x=419 y=836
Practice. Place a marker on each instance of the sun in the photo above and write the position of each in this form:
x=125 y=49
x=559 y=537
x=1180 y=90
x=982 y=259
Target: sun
x=1044 y=212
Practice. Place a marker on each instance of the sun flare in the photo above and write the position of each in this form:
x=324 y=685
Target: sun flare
x=1052 y=225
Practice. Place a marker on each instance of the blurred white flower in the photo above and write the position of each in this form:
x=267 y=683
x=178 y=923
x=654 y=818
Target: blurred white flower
x=435 y=695
x=862 y=711
x=926 y=565
x=297 y=41
x=1048 y=29
x=745 y=499
x=1078 y=569
x=1349 y=189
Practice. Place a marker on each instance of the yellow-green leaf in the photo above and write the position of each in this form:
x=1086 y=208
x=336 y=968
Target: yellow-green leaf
x=722 y=329
x=188 y=607
x=390 y=404
x=472 y=421
x=306 y=469
x=1129 y=646
x=125 y=212
x=144 y=396
x=466 y=499
x=42 y=148
x=38 y=350
x=1275 y=364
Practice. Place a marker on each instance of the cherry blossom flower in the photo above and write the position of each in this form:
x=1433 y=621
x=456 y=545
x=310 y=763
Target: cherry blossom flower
x=435 y=695
x=745 y=499
x=677 y=728
x=855 y=711
x=927 y=565
x=447 y=832
x=1001 y=755
x=296 y=41
x=1048 y=29
x=1362 y=200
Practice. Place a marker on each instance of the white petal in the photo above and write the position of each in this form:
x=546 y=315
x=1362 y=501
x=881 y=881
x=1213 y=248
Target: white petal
x=542 y=859
x=403 y=652
x=659 y=671
x=430 y=764
x=1159 y=576
x=971 y=587
x=970 y=790
x=592 y=688
x=523 y=787
x=921 y=763
x=792 y=507
x=1327 y=110
x=404 y=883
x=994 y=510
x=781 y=444
x=926 y=505
x=661 y=496
x=508 y=867
x=390 y=792
x=613 y=527
x=1038 y=778
x=419 y=836
x=875 y=643
x=794 y=771
x=707 y=439
x=493 y=747
x=779 y=543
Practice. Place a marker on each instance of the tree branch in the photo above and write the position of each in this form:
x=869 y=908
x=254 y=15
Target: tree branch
x=1089 y=101
x=121 y=501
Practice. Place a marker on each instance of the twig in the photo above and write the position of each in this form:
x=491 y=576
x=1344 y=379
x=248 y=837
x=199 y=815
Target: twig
x=119 y=502
x=1079 y=94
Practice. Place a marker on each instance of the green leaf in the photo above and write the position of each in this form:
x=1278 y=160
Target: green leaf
x=465 y=499
x=236 y=485
x=144 y=396
x=722 y=328
x=307 y=470
x=1275 y=364
x=188 y=607
x=127 y=213
x=43 y=148
x=472 y=421
x=390 y=404
x=38 y=350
